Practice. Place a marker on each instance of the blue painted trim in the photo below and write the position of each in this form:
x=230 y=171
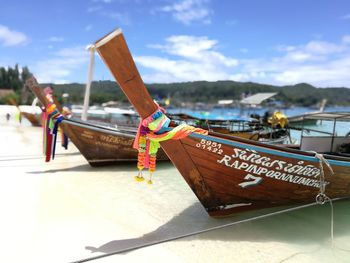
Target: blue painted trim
x=266 y=150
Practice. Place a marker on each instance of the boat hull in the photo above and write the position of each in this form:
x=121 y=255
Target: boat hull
x=241 y=176
x=34 y=119
x=102 y=145
x=229 y=174
x=99 y=144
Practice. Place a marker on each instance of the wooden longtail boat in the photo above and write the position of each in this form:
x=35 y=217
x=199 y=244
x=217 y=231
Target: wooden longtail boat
x=33 y=117
x=248 y=128
x=299 y=120
x=230 y=174
x=100 y=145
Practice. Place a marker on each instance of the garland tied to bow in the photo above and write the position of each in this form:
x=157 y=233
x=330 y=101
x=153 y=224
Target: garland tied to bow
x=153 y=130
x=51 y=119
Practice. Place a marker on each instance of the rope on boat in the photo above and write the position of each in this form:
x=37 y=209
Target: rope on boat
x=152 y=243
x=322 y=197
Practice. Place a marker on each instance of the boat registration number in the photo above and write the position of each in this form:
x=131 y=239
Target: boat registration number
x=210 y=146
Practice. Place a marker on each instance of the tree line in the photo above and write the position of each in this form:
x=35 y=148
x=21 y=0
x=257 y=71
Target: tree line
x=13 y=79
x=301 y=94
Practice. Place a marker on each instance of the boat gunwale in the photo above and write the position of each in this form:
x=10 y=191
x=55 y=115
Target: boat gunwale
x=98 y=128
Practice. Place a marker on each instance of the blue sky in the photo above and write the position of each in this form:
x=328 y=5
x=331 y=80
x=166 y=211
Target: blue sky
x=266 y=41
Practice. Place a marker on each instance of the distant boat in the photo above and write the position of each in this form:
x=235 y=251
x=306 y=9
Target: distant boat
x=118 y=117
x=229 y=174
x=255 y=100
x=240 y=126
x=93 y=114
x=35 y=120
x=301 y=120
x=99 y=144
x=31 y=113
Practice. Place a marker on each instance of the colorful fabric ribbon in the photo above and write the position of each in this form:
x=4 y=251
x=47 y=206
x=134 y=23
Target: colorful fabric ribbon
x=51 y=119
x=153 y=130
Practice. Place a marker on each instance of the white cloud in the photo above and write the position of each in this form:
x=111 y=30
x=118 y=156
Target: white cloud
x=317 y=62
x=232 y=22
x=103 y=1
x=189 y=11
x=10 y=37
x=347 y=16
x=56 y=39
x=346 y=39
x=93 y=9
x=190 y=58
x=283 y=48
x=324 y=75
x=319 y=48
x=311 y=51
x=122 y=18
x=62 y=66
x=299 y=56
x=196 y=59
x=88 y=28
x=322 y=47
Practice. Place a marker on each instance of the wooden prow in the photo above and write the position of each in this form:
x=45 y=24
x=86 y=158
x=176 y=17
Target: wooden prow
x=37 y=90
x=39 y=93
x=116 y=55
x=12 y=102
x=114 y=51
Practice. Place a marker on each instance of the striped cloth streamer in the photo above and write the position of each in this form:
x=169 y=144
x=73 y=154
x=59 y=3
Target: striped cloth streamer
x=51 y=119
x=153 y=130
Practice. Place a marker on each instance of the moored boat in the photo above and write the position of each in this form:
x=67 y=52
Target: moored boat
x=99 y=144
x=302 y=120
x=34 y=119
x=229 y=174
x=31 y=113
x=244 y=127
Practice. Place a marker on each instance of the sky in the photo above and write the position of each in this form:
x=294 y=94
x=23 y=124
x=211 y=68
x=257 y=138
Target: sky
x=266 y=41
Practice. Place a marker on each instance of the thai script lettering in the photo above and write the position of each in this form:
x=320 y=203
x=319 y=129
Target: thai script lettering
x=88 y=135
x=257 y=165
x=115 y=140
x=255 y=158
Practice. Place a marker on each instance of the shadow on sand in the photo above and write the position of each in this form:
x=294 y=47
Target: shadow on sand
x=127 y=166
x=33 y=157
x=305 y=225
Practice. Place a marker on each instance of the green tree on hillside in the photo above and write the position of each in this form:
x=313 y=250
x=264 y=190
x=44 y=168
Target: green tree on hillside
x=14 y=79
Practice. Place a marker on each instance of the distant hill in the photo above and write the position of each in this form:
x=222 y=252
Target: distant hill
x=301 y=94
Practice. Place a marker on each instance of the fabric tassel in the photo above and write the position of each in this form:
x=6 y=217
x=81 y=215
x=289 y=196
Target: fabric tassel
x=48 y=140
x=153 y=130
x=64 y=140
x=51 y=119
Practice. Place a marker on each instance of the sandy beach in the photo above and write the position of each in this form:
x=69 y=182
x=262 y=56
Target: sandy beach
x=66 y=211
